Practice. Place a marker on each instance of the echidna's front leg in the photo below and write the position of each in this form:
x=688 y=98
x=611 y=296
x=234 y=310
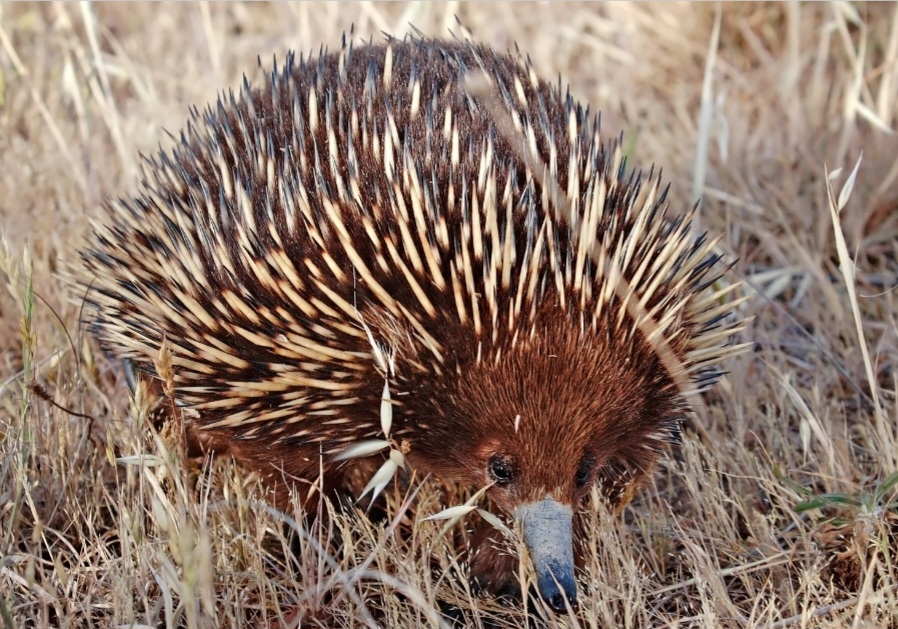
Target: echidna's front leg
x=493 y=564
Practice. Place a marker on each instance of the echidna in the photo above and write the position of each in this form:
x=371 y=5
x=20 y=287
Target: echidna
x=358 y=220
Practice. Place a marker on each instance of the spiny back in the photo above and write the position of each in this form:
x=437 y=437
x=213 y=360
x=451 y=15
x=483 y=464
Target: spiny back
x=359 y=213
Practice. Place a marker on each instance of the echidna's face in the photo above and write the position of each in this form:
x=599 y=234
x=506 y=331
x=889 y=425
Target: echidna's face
x=547 y=420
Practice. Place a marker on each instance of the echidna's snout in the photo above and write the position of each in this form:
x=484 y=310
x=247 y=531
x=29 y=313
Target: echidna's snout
x=548 y=534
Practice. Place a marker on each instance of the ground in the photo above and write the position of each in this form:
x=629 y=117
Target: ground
x=779 y=509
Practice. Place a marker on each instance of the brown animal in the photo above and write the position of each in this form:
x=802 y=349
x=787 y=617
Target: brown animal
x=356 y=220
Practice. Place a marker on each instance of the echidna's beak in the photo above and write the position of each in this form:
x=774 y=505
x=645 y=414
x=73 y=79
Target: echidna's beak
x=547 y=526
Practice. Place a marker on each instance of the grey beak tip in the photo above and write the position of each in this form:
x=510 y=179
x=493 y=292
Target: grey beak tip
x=559 y=592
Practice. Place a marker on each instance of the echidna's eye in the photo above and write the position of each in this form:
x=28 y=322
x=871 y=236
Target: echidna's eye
x=584 y=470
x=501 y=470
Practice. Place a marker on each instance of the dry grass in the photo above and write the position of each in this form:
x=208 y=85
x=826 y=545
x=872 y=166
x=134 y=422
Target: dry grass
x=102 y=526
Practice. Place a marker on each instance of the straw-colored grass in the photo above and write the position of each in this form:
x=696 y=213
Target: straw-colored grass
x=779 y=510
